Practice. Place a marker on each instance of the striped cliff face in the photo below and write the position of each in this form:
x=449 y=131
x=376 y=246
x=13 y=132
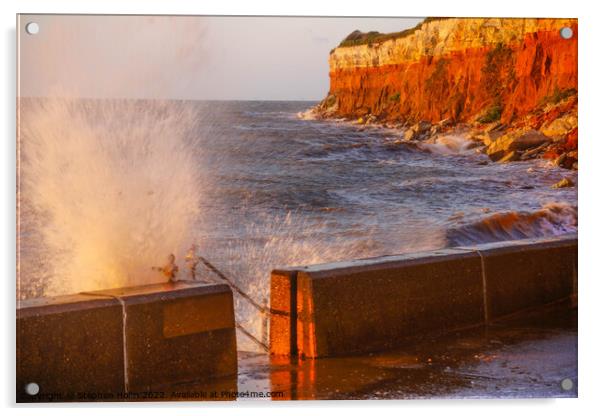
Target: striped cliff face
x=455 y=69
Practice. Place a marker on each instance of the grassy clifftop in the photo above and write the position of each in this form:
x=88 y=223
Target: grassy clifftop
x=356 y=37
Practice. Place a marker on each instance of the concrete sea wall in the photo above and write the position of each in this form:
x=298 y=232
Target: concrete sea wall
x=372 y=304
x=120 y=342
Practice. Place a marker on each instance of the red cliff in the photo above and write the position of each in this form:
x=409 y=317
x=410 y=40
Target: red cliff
x=454 y=69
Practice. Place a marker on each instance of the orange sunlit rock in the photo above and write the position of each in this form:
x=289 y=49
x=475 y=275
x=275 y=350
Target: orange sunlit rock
x=455 y=69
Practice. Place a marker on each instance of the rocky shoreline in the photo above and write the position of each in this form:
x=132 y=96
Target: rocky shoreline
x=549 y=132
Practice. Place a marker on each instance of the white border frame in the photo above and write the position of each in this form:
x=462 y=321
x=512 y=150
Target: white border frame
x=590 y=95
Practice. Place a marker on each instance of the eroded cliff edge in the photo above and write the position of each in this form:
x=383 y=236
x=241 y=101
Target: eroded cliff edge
x=512 y=81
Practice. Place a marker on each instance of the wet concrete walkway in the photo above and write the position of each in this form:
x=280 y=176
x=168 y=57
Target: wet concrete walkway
x=523 y=356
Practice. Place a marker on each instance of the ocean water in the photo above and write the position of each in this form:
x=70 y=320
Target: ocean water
x=361 y=185
x=255 y=186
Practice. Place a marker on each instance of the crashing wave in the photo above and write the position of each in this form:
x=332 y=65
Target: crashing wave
x=309 y=114
x=551 y=220
x=449 y=145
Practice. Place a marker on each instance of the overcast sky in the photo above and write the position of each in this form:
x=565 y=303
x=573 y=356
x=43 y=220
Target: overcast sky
x=247 y=58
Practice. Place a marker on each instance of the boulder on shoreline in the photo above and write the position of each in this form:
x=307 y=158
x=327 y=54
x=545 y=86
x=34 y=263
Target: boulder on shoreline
x=510 y=157
x=418 y=131
x=563 y=183
x=515 y=141
x=559 y=127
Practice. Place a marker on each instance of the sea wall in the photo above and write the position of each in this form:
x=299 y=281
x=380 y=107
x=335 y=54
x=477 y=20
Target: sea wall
x=373 y=304
x=134 y=343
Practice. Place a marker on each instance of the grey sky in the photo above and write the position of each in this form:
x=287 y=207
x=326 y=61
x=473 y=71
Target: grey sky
x=277 y=58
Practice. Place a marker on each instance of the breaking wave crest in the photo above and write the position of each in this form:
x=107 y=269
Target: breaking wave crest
x=451 y=144
x=309 y=114
x=552 y=219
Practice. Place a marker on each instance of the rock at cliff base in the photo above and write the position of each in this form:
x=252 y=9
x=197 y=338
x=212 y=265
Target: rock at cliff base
x=572 y=139
x=564 y=183
x=559 y=127
x=489 y=137
x=418 y=131
x=534 y=152
x=518 y=140
x=510 y=157
x=566 y=160
x=559 y=161
x=440 y=126
x=495 y=126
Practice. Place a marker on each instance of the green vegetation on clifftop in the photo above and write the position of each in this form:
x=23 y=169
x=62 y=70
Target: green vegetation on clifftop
x=356 y=37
